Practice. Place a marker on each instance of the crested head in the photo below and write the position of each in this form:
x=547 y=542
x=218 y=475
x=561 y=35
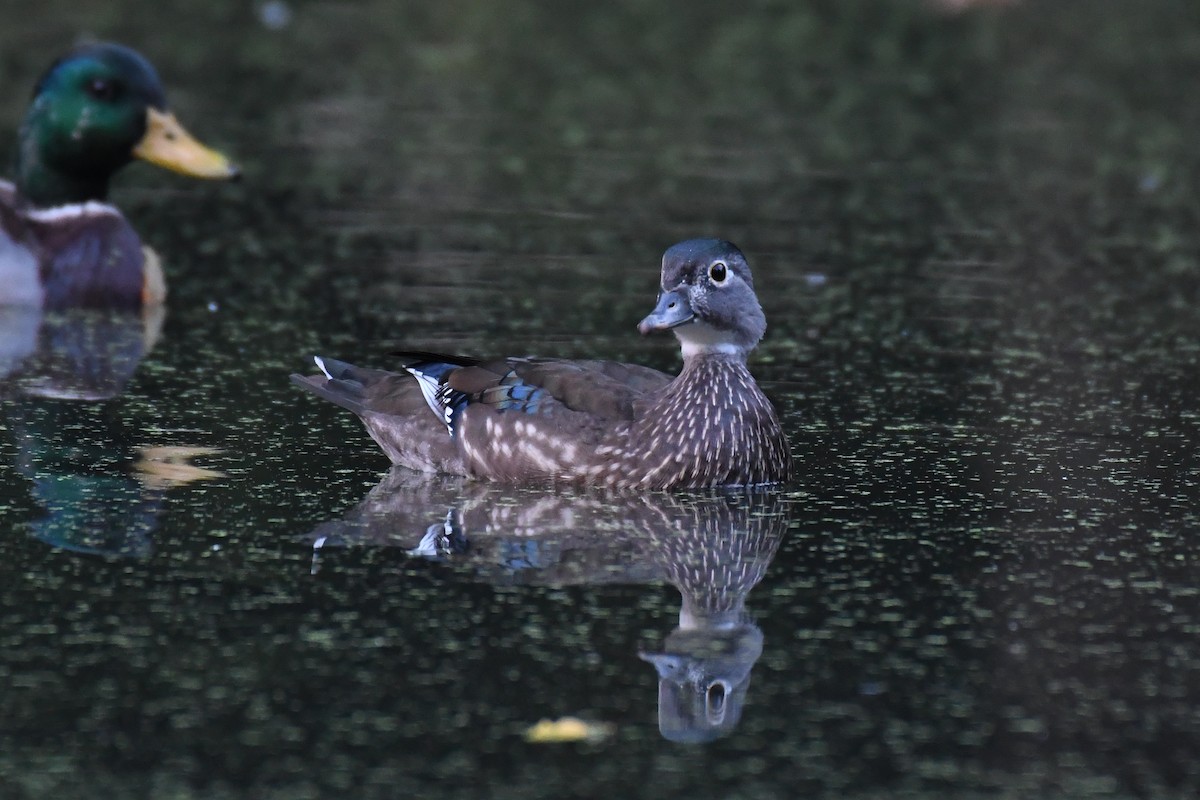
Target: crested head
x=93 y=111
x=707 y=298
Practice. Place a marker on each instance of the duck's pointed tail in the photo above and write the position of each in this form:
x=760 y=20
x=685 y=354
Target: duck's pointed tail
x=393 y=408
x=339 y=382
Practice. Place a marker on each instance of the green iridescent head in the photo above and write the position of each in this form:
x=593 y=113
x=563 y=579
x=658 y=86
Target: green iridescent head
x=93 y=111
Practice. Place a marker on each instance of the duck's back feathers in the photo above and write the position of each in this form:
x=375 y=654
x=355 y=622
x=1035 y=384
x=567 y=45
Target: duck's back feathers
x=607 y=390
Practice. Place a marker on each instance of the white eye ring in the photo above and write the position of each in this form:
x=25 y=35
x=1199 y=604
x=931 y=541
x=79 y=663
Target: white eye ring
x=718 y=272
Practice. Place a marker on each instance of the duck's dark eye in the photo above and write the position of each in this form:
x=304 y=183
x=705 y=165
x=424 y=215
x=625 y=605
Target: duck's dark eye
x=102 y=89
x=718 y=272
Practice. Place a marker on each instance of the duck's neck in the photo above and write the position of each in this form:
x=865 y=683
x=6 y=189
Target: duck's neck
x=698 y=340
x=699 y=614
x=41 y=186
x=701 y=365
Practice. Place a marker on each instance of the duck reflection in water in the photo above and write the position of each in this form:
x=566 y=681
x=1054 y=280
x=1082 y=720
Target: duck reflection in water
x=713 y=546
x=58 y=369
x=83 y=354
x=49 y=362
x=72 y=454
x=714 y=553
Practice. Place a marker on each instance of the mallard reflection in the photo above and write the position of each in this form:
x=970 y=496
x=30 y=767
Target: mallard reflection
x=76 y=354
x=56 y=368
x=713 y=546
x=71 y=453
x=96 y=492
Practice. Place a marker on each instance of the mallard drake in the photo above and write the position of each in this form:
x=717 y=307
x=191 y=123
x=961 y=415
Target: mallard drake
x=598 y=423
x=93 y=111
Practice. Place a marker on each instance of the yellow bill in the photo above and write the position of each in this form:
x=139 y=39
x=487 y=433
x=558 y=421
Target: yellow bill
x=168 y=145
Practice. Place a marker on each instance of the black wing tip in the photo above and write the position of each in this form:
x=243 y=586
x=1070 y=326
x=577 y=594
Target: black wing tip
x=409 y=357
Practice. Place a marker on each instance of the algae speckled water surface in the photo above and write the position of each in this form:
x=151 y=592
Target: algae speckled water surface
x=974 y=239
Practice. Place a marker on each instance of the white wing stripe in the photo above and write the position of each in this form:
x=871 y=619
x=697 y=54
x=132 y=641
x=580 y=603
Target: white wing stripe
x=431 y=391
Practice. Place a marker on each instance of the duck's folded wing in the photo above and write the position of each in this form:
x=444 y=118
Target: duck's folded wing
x=604 y=390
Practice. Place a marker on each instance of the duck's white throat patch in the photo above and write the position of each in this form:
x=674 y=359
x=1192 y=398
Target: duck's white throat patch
x=700 y=338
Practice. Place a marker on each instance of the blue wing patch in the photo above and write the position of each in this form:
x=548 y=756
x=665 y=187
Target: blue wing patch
x=511 y=393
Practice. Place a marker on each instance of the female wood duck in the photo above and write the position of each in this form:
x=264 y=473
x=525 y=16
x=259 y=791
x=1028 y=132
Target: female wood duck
x=93 y=111
x=599 y=423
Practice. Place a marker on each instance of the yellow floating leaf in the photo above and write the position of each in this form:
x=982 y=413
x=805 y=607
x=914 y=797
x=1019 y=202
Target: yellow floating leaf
x=568 y=729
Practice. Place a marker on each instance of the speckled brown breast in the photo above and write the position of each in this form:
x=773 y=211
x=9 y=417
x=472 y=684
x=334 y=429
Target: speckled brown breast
x=711 y=426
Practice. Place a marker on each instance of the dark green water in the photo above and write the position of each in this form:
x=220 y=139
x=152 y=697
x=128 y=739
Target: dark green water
x=976 y=240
